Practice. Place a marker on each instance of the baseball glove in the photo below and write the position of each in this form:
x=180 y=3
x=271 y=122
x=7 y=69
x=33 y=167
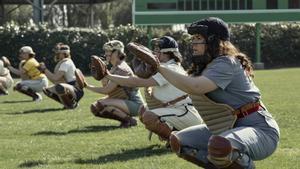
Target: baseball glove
x=42 y=67
x=80 y=80
x=142 y=69
x=145 y=55
x=98 y=68
x=5 y=60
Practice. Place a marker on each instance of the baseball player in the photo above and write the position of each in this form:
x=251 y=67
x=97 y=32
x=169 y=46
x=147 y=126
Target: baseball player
x=65 y=89
x=33 y=80
x=168 y=107
x=238 y=128
x=121 y=103
x=6 y=80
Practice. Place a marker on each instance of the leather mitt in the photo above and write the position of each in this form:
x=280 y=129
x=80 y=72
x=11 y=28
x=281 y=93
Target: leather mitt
x=80 y=79
x=98 y=68
x=145 y=55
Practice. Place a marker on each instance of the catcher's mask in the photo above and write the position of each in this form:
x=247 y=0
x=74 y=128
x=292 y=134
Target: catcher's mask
x=168 y=45
x=210 y=28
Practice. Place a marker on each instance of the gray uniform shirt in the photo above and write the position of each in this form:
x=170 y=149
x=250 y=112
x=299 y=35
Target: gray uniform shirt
x=235 y=88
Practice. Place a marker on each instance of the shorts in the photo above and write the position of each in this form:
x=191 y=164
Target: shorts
x=133 y=107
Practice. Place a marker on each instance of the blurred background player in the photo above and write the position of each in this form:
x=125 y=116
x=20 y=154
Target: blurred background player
x=6 y=80
x=65 y=89
x=32 y=79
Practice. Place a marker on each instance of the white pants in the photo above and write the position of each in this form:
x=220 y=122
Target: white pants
x=36 y=85
x=179 y=117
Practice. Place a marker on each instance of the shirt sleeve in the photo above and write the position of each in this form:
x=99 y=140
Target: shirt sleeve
x=220 y=71
x=159 y=79
x=64 y=67
x=121 y=72
x=28 y=65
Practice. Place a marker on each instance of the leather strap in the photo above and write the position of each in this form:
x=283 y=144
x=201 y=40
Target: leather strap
x=247 y=109
x=172 y=102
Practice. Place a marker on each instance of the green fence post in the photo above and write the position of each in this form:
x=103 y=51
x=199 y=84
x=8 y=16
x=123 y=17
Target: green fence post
x=149 y=34
x=258 y=64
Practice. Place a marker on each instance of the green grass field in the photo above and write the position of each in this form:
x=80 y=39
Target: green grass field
x=42 y=135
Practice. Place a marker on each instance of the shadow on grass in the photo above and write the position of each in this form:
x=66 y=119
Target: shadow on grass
x=126 y=155
x=36 y=111
x=16 y=101
x=32 y=163
x=88 y=129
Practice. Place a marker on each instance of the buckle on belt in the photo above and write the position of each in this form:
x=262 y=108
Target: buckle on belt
x=245 y=113
x=247 y=109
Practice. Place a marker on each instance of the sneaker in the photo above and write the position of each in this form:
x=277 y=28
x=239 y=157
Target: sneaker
x=47 y=92
x=75 y=105
x=38 y=98
x=3 y=93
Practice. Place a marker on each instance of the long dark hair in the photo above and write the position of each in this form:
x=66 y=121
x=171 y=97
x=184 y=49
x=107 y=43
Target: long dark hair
x=217 y=48
x=227 y=48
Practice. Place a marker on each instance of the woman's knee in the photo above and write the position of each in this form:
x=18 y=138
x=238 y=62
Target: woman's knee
x=96 y=108
x=175 y=143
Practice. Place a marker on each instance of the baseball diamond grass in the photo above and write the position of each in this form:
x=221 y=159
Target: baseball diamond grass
x=42 y=135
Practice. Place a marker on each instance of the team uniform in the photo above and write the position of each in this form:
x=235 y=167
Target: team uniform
x=121 y=102
x=179 y=115
x=169 y=109
x=33 y=80
x=36 y=79
x=131 y=95
x=65 y=90
x=255 y=136
x=238 y=128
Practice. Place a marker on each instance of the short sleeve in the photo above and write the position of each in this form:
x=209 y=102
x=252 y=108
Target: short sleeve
x=220 y=71
x=28 y=65
x=64 y=67
x=121 y=72
x=159 y=79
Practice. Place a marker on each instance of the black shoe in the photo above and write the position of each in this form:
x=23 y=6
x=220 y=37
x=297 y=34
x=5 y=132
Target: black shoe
x=3 y=93
x=130 y=123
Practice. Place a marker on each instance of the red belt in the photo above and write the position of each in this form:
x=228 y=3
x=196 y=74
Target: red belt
x=247 y=109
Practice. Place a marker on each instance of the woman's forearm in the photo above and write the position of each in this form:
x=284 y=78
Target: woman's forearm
x=53 y=77
x=190 y=85
x=129 y=81
x=50 y=76
x=96 y=89
x=14 y=70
